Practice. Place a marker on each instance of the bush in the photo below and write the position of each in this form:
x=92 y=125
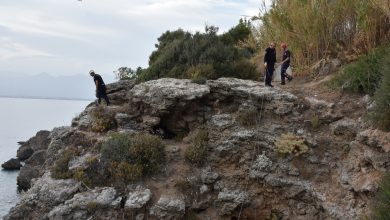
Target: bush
x=181 y=54
x=380 y=114
x=362 y=76
x=93 y=175
x=103 y=119
x=248 y=118
x=290 y=144
x=129 y=157
x=60 y=169
x=381 y=210
x=197 y=152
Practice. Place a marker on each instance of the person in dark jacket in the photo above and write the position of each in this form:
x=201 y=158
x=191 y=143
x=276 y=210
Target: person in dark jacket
x=269 y=63
x=285 y=64
x=100 y=87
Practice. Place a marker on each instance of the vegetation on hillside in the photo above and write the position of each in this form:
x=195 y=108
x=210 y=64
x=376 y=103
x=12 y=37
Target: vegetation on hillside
x=380 y=113
x=381 y=210
x=181 y=54
x=364 y=75
x=316 y=29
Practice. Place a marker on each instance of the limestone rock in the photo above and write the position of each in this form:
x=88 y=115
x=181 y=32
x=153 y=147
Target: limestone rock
x=222 y=121
x=230 y=200
x=80 y=162
x=209 y=177
x=248 y=89
x=261 y=167
x=98 y=198
x=375 y=139
x=138 y=198
x=12 y=164
x=345 y=126
x=39 y=142
x=24 y=152
x=125 y=121
x=117 y=91
x=38 y=158
x=163 y=94
x=26 y=174
x=168 y=208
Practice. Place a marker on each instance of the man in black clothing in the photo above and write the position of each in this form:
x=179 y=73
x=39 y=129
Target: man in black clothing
x=269 y=63
x=285 y=64
x=100 y=87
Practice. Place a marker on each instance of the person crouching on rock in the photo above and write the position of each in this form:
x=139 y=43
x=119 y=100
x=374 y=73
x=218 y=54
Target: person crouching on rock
x=269 y=63
x=285 y=64
x=100 y=87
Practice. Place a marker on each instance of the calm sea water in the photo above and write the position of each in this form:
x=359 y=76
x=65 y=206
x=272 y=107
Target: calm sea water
x=20 y=119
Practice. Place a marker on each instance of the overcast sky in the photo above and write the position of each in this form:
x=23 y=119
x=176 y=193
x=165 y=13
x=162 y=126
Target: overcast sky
x=67 y=37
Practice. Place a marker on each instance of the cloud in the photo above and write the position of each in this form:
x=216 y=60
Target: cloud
x=11 y=50
x=102 y=34
x=38 y=22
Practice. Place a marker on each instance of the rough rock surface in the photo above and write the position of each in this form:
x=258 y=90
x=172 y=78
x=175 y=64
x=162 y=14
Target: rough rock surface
x=138 y=198
x=168 y=208
x=82 y=203
x=12 y=164
x=243 y=174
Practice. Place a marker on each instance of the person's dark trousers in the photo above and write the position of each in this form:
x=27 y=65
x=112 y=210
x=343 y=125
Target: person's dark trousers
x=102 y=94
x=269 y=71
x=283 y=75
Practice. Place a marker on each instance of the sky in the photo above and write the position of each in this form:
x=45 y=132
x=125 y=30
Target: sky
x=70 y=37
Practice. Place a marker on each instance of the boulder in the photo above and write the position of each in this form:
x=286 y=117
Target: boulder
x=98 y=198
x=261 y=167
x=375 y=138
x=26 y=174
x=138 y=198
x=38 y=158
x=12 y=164
x=125 y=121
x=209 y=177
x=39 y=142
x=161 y=95
x=168 y=208
x=344 y=126
x=228 y=201
x=117 y=91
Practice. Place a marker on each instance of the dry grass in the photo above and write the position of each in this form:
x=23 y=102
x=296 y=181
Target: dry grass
x=291 y=144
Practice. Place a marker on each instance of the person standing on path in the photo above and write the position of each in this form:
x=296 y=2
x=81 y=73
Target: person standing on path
x=269 y=63
x=100 y=87
x=285 y=64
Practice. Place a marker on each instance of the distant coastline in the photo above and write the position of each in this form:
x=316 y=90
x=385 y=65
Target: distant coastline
x=49 y=98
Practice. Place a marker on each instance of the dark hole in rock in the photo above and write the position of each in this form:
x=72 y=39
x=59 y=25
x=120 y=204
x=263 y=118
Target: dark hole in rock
x=234 y=218
x=171 y=127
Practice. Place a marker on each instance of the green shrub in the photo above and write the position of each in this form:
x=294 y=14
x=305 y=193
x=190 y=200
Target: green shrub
x=248 y=118
x=181 y=54
x=90 y=176
x=197 y=152
x=103 y=119
x=291 y=144
x=148 y=151
x=380 y=114
x=116 y=148
x=126 y=172
x=129 y=157
x=60 y=169
x=381 y=210
x=362 y=76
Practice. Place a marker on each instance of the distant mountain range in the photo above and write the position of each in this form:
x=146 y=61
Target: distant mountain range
x=47 y=86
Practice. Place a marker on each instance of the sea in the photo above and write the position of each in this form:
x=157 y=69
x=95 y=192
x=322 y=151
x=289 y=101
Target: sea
x=21 y=119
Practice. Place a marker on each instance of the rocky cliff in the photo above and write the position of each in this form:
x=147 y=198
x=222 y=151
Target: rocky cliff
x=267 y=154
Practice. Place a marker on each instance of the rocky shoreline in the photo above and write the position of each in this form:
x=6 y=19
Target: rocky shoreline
x=251 y=169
